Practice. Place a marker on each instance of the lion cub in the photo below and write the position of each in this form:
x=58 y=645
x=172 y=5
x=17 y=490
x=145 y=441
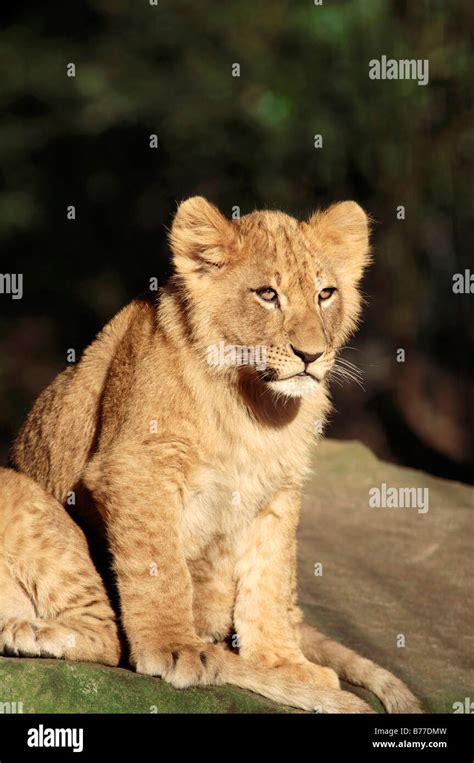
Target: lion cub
x=193 y=470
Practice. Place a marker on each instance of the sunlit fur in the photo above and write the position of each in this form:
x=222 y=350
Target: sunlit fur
x=296 y=259
x=193 y=471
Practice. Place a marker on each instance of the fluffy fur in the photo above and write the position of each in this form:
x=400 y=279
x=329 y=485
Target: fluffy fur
x=192 y=472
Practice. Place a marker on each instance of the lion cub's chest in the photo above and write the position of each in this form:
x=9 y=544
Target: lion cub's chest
x=226 y=493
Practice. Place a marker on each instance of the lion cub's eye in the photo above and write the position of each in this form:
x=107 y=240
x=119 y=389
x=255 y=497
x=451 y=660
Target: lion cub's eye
x=326 y=293
x=267 y=294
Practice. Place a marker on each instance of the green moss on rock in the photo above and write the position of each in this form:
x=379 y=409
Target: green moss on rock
x=57 y=686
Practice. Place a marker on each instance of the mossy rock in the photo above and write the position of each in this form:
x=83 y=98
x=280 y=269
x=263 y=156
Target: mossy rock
x=57 y=686
x=393 y=586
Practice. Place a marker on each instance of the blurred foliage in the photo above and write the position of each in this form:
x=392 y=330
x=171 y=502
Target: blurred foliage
x=248 y=141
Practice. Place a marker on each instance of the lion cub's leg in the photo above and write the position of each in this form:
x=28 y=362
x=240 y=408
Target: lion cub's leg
x=214 y=590
x=53 y=601
x=139 y=487
x=265 y=596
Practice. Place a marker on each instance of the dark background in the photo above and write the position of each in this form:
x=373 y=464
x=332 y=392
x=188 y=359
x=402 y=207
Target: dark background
x=244 y=142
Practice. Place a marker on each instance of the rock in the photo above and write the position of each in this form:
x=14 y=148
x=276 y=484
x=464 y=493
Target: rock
x=390 y=576
x=57 y=686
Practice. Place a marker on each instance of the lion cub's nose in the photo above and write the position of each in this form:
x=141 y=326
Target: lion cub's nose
x=306 y=357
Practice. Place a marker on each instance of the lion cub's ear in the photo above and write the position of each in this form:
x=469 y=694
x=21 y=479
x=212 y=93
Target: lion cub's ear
x=343 y=234
x=201 y=238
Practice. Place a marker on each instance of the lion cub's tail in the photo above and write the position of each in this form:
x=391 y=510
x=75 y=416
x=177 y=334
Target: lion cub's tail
x=281 y=686
x=351 y=667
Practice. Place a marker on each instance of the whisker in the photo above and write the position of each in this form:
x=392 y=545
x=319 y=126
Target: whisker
x=348 y=372
x=350 y=366
x=344 y=373
x=351 y=370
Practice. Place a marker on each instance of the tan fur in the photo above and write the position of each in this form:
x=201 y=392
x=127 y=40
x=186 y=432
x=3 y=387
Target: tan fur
x=53 y=602
x=193 y=471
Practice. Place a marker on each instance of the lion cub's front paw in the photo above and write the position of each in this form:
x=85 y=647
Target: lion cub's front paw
x=183 y=665
x=35 y=638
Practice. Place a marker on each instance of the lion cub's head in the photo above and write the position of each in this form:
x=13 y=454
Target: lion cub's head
x=269 y=293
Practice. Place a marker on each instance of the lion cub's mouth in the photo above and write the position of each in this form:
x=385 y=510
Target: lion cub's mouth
x=301 y=384
x=305 y=373
x=271 y=376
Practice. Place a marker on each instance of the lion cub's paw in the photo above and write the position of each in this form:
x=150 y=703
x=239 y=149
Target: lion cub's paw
x=29 y=639
x=183 y=665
